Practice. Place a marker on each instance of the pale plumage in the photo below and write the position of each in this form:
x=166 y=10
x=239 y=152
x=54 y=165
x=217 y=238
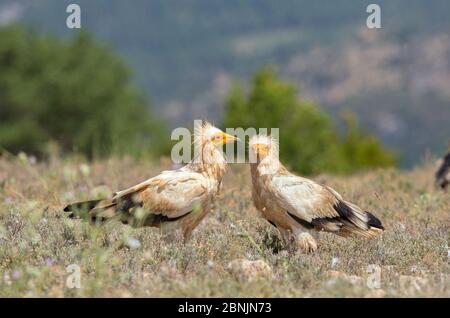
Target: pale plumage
x=173 y=199
x=295 y=204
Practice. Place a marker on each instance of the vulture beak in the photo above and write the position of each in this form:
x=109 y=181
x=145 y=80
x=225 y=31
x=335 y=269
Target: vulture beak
x=226 y=138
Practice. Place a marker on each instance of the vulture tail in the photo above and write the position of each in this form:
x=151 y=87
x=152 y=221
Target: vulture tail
x=93 y=210
x=356 y=221
x=98 y=211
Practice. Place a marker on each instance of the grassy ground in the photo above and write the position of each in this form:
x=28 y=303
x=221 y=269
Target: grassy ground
x=37 y=242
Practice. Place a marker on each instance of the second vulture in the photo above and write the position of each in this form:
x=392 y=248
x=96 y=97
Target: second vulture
x=295 y=205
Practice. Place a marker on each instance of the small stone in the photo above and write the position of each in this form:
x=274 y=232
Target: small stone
x=168 y=271
x=353 y=279
x=125 y=294
x=132 y=243
x=378 y=293
x=146 y=275
x=246 y=270
x=32 y=160
x=412 y=283
x=212 y=222
x=334 y=262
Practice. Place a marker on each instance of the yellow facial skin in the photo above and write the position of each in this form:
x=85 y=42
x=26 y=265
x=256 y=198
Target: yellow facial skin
x=261 y=150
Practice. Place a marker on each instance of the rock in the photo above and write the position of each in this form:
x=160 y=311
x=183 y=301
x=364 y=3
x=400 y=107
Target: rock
x=212 y=222
x=132 y=243
x=245 y=270
x=353 y=279
x=168 y=271
x=378 y=293
x=146 y=276
x=334 y=262
x=208 y=223
x=412 y=283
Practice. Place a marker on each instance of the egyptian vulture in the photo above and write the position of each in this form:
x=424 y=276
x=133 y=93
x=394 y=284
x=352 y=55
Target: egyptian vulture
x=443 y=173
x=175 y=199
x=295 y=205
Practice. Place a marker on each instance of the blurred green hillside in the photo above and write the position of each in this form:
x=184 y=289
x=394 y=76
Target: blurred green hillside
x=76 y=96
x=70 y=95
x=186 y=53
x=308 y=138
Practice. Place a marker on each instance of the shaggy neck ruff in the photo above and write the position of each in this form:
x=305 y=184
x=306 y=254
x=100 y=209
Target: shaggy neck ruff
x=208 y=160
x=268 y=165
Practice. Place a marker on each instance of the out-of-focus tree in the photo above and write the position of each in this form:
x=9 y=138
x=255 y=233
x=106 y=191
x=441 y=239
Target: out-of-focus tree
x=74 y=93
x=361 y=149
x=309 y=141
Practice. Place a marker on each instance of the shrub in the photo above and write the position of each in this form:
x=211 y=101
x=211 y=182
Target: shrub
x=309 y=140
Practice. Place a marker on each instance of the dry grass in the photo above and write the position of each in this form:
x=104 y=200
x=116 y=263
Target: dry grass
x=37 y=242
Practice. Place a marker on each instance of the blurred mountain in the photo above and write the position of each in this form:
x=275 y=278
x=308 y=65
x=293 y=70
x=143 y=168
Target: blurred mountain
x=186 y=53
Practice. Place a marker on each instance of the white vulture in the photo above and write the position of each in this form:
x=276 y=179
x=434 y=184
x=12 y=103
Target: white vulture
x=296 y=205
x=173 y=199
x=443 y=173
